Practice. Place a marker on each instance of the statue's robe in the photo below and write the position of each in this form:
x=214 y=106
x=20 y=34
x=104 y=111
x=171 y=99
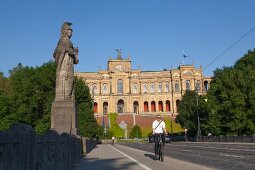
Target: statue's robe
x=65 y=60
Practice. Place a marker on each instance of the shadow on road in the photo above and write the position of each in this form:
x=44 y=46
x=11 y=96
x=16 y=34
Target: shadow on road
x=150 y=156
x=106 y=164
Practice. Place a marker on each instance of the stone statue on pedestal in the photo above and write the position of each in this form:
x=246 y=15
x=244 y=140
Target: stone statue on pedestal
x=63 y=111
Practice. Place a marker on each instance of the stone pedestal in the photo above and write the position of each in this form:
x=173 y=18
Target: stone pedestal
x=64 y=117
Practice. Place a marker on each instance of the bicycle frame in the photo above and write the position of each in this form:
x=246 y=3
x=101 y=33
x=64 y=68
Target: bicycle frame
x=159 y=142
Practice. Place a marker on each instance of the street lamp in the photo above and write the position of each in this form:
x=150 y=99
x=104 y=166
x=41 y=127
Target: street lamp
x=198 y=118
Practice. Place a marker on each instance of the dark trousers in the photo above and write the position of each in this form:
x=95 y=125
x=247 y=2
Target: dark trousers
x=157 y=140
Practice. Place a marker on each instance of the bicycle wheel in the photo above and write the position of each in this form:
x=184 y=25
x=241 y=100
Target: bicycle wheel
x=161 y=155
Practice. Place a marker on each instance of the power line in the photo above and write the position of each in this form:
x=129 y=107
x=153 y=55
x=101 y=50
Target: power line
x=221 y=54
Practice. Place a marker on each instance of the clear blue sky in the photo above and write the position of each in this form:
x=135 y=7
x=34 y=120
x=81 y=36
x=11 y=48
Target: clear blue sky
x=154 y=33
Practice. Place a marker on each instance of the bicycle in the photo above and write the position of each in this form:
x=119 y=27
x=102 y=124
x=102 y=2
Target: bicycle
x=160 y=146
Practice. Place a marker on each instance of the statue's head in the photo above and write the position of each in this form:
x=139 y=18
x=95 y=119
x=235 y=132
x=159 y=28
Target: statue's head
x=66 y=27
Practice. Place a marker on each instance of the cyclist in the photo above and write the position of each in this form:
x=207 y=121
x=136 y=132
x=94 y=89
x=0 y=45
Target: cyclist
x=159 y=128
x=209 y=136
x=113 y=140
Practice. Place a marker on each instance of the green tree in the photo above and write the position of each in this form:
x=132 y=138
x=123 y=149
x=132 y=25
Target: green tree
x=29 y=97
x=136 y=132
x=232 y=94
x=87 y=123
x=187 y=112
x=189 y=108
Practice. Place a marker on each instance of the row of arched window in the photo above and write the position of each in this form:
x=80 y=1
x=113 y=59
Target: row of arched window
x=147 y=106
x=150 y=87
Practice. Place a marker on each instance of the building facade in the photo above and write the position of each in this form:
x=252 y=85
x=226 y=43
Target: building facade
x=123 y=90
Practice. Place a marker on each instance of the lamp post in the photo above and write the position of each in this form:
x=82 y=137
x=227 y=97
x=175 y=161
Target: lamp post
x=198 y=119
x=171 y=124
x=171 y=127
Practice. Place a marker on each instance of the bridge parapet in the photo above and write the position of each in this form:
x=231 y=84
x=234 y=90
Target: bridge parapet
x=22 y=148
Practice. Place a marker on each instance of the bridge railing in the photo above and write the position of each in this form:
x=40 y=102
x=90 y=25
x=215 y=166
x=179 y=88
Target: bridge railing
x=22 y=148
x=228 y=138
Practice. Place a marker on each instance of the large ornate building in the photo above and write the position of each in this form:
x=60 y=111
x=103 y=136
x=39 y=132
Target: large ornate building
x=124 y=90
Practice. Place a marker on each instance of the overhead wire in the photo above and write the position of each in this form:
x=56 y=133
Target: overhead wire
x=225 y=51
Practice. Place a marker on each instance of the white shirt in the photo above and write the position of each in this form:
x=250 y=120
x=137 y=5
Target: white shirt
x=159 y=129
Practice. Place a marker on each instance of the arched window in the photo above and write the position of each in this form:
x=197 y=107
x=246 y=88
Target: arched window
x=206 y=85
x=105 y=88
x=166 y=87
x=136 y=107
x=160 y=106
x=145 y=87
x=177 y=104
x=176 y=86
x=167 y=106
x=159 y=87
x=135 y=88
x=120 y=106
x=153 y=106
x=105 y=108
x=95 y=107
x=94 y=89
x=120 y=86
x=152 y=88
x=187 y=85
x=145 y=107
x=198 y=87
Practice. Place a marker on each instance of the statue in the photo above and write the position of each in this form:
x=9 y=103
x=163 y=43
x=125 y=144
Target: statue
x=65 y=57
x=119 y=54
x=63 y=110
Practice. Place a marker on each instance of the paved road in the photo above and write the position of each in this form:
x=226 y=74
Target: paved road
x=107 y=157
x=234 y=156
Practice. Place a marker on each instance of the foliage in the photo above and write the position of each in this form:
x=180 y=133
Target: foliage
x=136 y=132
x=115 y=130
x=28 y=95
x=233 y=95
x=176 y=128
x=113 y=118
x=87 y=123
x=193 y=106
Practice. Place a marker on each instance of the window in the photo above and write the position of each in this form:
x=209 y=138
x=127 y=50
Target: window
x=152 y=88
x=120 y=106
x=94 y=89
x=145 y=87
x=136 y=107
x=159 y=87
x=198 y=87
x=167 y=106
x=166 y=87
x=120 y=86
x=153 y=106
x=160 y=106
x=105 y=108
x=176 y=86
x=187 y=85
x=177 y=104
x=145 y=107
x=95 y=107
x=206 y=85
x=135 y=88
x=105 y=88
